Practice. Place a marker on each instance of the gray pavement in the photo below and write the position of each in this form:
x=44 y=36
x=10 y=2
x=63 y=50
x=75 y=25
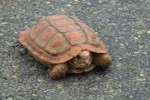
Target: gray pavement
x=124 y=26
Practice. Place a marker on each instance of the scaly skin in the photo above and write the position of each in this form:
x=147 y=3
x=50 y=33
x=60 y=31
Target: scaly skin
x=83 y=60
x=81 y=63
x=102 y=60
x=59 y=70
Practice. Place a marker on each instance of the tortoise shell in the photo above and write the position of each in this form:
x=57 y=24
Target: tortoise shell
x=59 y=38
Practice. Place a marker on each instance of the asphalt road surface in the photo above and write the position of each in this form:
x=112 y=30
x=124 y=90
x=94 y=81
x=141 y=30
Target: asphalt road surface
x=124 y=26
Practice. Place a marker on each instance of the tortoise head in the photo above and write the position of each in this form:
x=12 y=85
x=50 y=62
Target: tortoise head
x=82 y=60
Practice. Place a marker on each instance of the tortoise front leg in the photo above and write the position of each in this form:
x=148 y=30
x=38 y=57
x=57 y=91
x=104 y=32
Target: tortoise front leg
x=59 y=70
x=102 y=60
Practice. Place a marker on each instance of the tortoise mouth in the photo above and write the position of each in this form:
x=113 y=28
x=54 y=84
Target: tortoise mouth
x=81 y=70
x=80 y=63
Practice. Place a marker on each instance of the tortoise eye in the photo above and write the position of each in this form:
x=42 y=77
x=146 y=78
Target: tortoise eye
x=78 y=57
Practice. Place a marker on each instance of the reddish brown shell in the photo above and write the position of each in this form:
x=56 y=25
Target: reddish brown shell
x=59 y=38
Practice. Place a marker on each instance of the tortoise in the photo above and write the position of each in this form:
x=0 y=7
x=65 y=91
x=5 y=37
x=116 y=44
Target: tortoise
x=65 y=45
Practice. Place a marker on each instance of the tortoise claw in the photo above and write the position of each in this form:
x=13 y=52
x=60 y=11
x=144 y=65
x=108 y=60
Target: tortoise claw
x=16 y=44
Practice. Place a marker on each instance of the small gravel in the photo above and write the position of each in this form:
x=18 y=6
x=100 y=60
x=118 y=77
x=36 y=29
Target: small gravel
x=124 y=26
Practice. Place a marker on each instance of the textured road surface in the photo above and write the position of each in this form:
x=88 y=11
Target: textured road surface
x=124 y=26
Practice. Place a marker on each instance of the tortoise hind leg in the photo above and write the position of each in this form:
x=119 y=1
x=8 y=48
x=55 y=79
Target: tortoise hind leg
x=102 y=60
x=22 y=50
x=59 y=70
